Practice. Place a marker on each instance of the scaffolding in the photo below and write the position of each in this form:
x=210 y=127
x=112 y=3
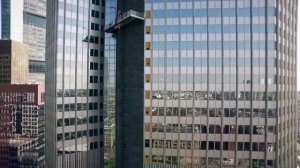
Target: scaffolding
x=122 y=20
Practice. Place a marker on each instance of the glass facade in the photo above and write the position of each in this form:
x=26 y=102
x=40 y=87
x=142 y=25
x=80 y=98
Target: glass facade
x=220 y=83
x=75 y=82
x=5 y=19
x=109 y=85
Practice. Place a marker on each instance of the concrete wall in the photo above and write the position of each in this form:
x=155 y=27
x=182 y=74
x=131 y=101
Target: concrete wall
x=19 y=63
x=15 y=55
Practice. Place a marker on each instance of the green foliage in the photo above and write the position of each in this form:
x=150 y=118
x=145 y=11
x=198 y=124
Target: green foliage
x=109 y=163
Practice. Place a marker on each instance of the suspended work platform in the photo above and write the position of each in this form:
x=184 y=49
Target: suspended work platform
x=123 y=19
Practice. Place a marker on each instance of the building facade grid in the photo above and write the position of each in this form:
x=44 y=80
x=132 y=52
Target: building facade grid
x=220 y=85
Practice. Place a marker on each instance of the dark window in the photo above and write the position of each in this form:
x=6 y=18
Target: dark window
x=90 y=106
x=59 y=137
x=96 y=2
x=91 y=119
x=94 y=39
x=95 y=92
x=67 y=122
x=240 y=146
x=36 y=66
x=226 y=129
x=95 y=132
x=95 y=26
x=91 y=146
x=94 y=52
x=95 y=119
x=254 y=146
x=93 y=66
x=84 y=133
x=147 y=143
x=79 y=134
x=93 y=79
x=217 y=146
x=225 y=145
x=211 y=145
x=93 y=106
x=95 y=13
x=203 y=145
x=90 y=132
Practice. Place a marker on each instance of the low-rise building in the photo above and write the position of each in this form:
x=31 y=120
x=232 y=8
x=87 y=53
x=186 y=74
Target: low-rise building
x=22 y=114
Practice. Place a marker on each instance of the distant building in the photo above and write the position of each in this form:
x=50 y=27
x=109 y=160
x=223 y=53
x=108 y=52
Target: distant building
x=34 y=34
x=22 y=114
x=13 y=151
x=11 y=19
x=109 y=84
x=25 y=21
x=110 y=139
x=13 y=62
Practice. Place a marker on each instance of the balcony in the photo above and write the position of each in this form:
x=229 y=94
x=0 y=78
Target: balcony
x=122 y=20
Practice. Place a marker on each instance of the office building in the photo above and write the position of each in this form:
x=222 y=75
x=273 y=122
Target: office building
x=34 y=35
x=25 y=21
x=74 y=77
x=110 y=139
x=13 y=150
x=11 y=20
x=22 y=121
x=13 y=62
x=205 y=83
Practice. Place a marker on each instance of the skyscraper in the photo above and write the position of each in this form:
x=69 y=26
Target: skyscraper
x=206 y=83
x=25 y=21
x=12 y=19
x=34 y=35
x=74 y=105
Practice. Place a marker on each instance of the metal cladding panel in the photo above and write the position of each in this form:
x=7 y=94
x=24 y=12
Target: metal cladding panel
x=130 y=86
x=51 y=156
